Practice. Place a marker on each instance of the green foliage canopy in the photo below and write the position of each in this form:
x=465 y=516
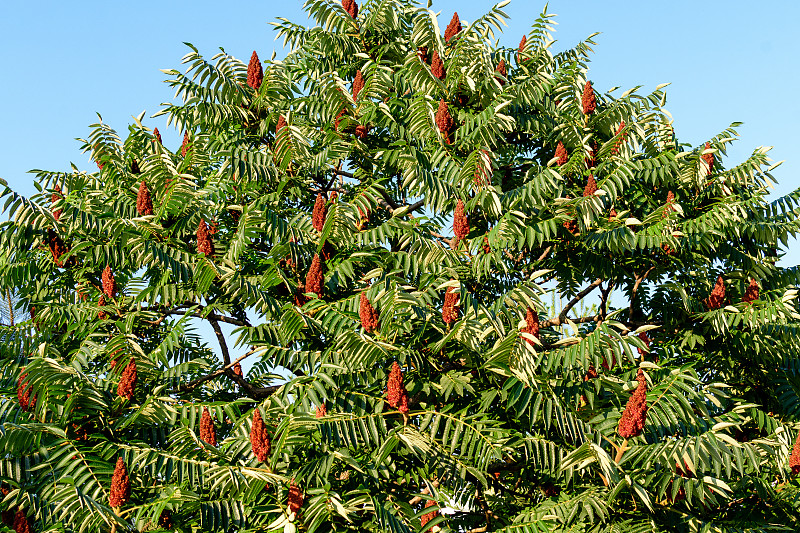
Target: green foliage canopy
x=515 y=379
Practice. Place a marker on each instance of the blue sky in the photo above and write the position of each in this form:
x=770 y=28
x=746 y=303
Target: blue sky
x=726 y=60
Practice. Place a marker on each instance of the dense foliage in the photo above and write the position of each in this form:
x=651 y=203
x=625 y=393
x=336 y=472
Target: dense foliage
x=471 y=293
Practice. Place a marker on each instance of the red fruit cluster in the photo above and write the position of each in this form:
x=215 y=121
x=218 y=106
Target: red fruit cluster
x=717 y=297
x=481 y=175
x=259 y=438
x=521 y=51
x=591 y=373
x=437 y=66
x=351 y=7
x=281 y=124
x=591 y=186
x=588 y=100
x=101 y=302
x=321 y=411
x=237 y=370
x=108 y=282
x=450 y=307
x=144 y=204
x=531 y=324
x=204 y=243
x=620 y=138
x=255 y=73
x=319 y=213
x=358 y=84
x=561 y=154
x=444 y=121
x=751 y=293
x=127 y=382
x=157 y=136
x=631 y=423
x=24 y=393
x=21 y=523
x=120 y=485
x=295 y=498
x=572 y=226
x=338 y=119
x=645 y=340
x=502 y=70
x=314 y=278
x=185 y=144
x=135 y=167
x=427 y=517
x=487 y=249
x=368 y=314
x=460 y=222
x=794 y=458
x=396 y=393
x=207 y=430
x=57 y=247
x=362 y=131
x=453 y=29
x=422 y=53
x=56 y=196
x=709 y=158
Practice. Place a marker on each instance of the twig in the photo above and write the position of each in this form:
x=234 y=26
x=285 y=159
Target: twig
x=639 y=280
x=562 y=318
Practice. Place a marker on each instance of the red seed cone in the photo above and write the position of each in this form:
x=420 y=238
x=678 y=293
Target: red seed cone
x=351 y=7
x=57 y=247
x=453 y=29
x=708 y=158
x=561 y=154
x=670 y=200
x=281 y=124
x=120 y=485
x=56 y=196
x=362 y=131
x=631 y=423
x=185 y=144
x=204 y=243
x=358 y=84
x=591 y=160
x=620 y=138
x=157 y=136
x=450 y=307
x=444 y=121
x=144 y=204
x=396 y=393
x=588 y=100
x=437 y=66
x=314 y=278
x=531 y=324
x=502 y=70
x=591 y=373
x=521 y=50
x=487 y=249
x=794 y=459
x=460 y=222
x=591 y=186
x=24 y=393
x=259 y=438
x=572 y=226
x=368 y=314
x=646 y=341
x=427 y=517
x=422 y=53
x=717 y=297
x=255 y=73
x=294 y=500
x=237 y=370
x=319 y=213
x=751 y=293
x=102 y=315
x=21 y=523
x=109 y=284
x=127 y=382
x=338 y=119
x=321 y=411
x=207 y=430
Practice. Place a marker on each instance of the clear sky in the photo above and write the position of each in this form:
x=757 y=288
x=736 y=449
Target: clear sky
x=64 y=61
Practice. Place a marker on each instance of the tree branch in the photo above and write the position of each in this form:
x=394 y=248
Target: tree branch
x=639 y=280
x=562 y=318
